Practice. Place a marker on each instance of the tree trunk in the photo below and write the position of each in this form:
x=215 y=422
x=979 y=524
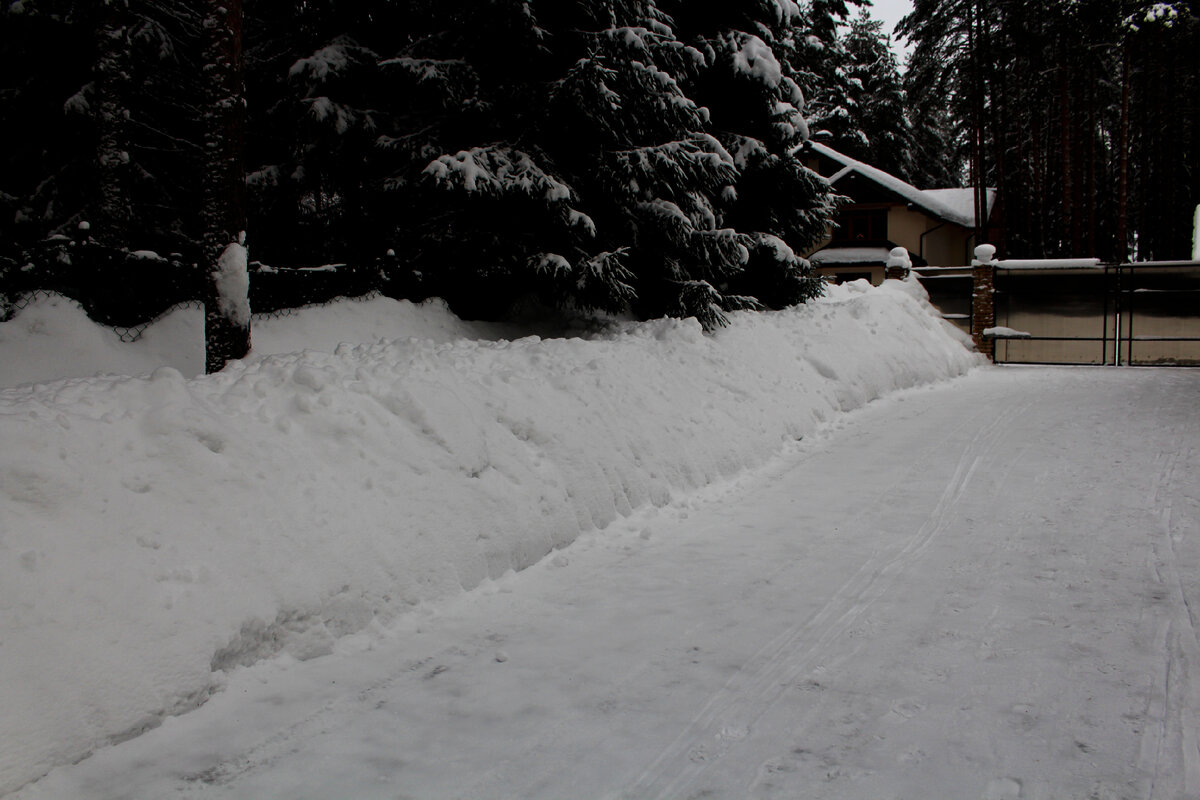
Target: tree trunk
x=113 y=218
x=1122 y=250
x=978 y=160
x=226 y=302
x=1069 y=232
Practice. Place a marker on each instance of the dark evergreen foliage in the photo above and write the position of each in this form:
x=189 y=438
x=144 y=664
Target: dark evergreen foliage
x=596 y=154
x=1083 y=114
x=878 y=116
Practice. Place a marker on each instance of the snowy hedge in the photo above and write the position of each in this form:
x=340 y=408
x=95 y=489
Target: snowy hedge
x=160 y=530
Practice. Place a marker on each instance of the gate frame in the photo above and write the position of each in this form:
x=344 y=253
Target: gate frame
x=1116 y=277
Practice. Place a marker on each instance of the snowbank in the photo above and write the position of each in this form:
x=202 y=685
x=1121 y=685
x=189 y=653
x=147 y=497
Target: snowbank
x=159 y=530
x=53 y=338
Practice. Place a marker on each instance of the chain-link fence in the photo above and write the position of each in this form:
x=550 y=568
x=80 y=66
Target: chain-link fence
x=129 y=291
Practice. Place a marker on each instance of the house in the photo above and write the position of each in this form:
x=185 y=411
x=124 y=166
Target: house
x=936 y=226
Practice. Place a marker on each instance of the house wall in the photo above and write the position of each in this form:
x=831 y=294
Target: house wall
x=944 y=245
x=905 y=227
x=948 y=246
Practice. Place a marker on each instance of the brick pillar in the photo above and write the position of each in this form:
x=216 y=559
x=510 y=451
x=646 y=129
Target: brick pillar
x=983 y=298
x=899 y=265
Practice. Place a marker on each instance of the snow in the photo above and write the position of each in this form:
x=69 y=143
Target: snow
x=1049 y=263
x=928 y=597
x=159 y=530
x=322 y=65
x=52 y=338
x=1161 y=11
x=782 y=250
x=961 y=202
x=1001 y=332
x=497 y=170
x=851 y=255
x=1196 y=235
x=785 y=10
x=754 y=58
x=233 y=283
x=898 y=257
x=984 y=254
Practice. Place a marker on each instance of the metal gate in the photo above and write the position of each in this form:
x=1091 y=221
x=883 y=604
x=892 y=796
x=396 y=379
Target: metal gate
x=1145 y=313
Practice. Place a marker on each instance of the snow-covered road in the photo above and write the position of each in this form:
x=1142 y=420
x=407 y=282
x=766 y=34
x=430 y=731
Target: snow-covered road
x=984 y=589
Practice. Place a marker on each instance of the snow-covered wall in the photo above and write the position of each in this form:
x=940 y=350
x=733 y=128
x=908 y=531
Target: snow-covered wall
x=158 y=530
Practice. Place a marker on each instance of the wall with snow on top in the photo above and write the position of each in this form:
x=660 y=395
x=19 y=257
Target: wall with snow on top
x=160 y=530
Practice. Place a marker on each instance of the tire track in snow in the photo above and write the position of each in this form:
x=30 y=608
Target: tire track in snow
x=1170 y=747
x=729 y=715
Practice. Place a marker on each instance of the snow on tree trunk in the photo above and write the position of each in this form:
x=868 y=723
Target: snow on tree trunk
x=226 y=302
x=1196 y=236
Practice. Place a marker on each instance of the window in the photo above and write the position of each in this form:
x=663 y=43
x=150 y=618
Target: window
x=861 y=227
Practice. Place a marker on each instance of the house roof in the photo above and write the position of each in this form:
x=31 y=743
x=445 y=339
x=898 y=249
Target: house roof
x=952 y=205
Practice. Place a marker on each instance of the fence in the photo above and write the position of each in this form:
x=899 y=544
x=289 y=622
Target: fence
x=1074 y=311
x=129 y=291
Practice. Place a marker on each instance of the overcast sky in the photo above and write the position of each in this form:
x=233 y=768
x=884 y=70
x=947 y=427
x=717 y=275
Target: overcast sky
x=890 y=11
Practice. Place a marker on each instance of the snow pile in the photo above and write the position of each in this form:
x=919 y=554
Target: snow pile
x=53 y=337
x=159 y=530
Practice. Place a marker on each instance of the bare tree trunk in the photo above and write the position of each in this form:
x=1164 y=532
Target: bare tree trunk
x=226 y=302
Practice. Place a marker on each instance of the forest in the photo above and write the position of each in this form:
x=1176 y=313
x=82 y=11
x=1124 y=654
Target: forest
x=627 y=156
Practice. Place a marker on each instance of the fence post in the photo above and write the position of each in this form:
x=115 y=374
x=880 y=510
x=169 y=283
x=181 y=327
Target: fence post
x=899 y=265
x=983 y=298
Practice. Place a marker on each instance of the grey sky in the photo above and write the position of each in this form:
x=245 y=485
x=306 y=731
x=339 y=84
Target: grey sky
x=890 y=11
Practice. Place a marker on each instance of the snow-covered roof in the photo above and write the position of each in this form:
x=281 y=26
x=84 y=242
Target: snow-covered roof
x=831 y=256
x=952 y=205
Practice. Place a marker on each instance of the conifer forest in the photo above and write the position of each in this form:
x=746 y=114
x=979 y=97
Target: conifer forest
x=630 y=156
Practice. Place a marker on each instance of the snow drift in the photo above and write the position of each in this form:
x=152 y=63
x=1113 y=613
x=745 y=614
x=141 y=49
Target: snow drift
x=157 y=531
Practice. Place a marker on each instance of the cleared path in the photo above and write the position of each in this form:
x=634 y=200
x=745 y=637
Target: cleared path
x=986 y=589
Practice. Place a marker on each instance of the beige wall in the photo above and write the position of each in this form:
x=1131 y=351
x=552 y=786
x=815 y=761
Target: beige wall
x=905 y=227
x=948 y=246
x=945 y=244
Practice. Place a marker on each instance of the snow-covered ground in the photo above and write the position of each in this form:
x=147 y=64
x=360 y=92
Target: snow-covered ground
x=978 y=589
x=160 y=533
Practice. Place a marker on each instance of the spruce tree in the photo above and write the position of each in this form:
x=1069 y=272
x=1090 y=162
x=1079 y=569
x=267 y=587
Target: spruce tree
x=881 y=133
x=625 y=141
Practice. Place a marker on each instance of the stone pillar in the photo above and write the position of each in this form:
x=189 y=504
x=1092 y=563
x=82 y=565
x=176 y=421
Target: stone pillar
x=899 y=265
x=983 y=298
